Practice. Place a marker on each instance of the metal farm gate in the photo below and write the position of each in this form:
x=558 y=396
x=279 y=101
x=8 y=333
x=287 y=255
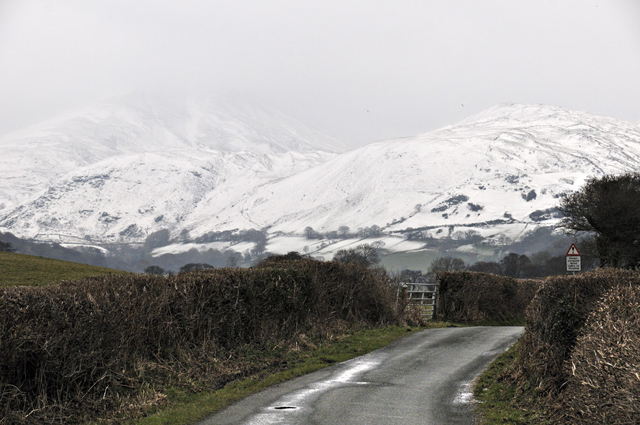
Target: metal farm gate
x=421 y=296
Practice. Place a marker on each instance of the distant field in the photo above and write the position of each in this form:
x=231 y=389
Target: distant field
x=28 y=270
x=416 y=260
x=421 y=260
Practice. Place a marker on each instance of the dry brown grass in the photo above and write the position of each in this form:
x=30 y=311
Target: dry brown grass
x=603 y=372
x=89 y=349
x=555 y=319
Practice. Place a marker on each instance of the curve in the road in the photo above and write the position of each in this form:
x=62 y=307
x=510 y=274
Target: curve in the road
x=424 y=378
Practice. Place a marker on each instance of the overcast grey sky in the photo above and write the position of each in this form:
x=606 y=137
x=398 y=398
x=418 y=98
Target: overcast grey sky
x=359 y=71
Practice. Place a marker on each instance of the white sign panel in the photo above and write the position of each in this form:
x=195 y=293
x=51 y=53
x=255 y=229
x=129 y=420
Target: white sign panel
x=573 y=263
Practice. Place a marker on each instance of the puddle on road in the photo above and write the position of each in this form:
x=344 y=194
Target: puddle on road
x=292 y=408
x=465 y=394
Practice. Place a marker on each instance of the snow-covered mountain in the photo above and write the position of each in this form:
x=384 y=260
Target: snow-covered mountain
x=499 y=172
x=33 y=159
x=122 y=168
x=508 y=165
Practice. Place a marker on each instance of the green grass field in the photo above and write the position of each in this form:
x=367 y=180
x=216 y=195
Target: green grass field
x=500 y=402
x=421 y=260
x=27 y=270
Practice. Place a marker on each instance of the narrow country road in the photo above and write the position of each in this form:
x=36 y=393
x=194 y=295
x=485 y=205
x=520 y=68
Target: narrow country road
x=424 y=378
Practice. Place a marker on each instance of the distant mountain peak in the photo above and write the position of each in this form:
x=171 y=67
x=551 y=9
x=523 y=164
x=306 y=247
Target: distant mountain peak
x=499 y=172
x=34 y=158
x=532 y=114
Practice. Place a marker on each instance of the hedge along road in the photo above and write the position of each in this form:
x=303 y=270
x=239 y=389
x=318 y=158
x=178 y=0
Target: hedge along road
x=425 y=378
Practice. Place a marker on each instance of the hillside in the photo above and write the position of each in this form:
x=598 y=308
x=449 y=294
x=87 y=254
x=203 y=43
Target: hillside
x=34 y=158
x=27 y=270
x=120 y=169
x=500 y=172
x=496 y=175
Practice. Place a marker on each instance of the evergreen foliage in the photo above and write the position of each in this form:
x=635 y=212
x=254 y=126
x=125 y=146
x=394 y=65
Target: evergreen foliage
x=609 y=208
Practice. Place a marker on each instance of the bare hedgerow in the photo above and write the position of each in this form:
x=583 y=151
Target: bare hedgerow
x=473 y=296
x=603 y=372
x=78 y=351
x=555 y=318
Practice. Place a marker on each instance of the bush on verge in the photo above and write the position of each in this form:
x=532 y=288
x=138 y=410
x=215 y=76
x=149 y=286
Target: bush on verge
x=473 y=296
x=603 y=372
x=555 y=319
x=69 y=352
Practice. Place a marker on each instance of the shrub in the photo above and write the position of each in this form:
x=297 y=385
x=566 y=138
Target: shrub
x=555 y=319
x=348 y=292
x=472 y=296
x=603 y=372
x=72 y=352
x=290 y=256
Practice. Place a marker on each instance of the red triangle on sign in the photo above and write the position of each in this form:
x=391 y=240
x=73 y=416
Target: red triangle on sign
x=573 y=250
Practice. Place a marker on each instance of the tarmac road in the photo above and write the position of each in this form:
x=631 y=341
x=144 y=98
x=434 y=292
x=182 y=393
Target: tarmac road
x=424 y=378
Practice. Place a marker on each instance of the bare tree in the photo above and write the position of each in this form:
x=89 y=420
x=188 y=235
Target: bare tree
x=515 y=265
x=364 y=255
x=446 y=264
x=309 y=233
x=233 y=259
x=157 y=270
x=343 y=231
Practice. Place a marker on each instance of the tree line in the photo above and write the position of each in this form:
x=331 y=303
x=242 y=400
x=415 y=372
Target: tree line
x=540 y=264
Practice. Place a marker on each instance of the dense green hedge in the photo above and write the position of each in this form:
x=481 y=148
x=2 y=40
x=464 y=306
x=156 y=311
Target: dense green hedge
x=78 y=347
x=483 y=297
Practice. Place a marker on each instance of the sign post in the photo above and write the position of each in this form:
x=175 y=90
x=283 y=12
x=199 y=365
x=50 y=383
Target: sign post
x=573 y=259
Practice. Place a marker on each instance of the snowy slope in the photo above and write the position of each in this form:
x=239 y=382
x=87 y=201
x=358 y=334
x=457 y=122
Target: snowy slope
x=510 y=163
x=498 y=173
x=124 y=198
x=33 y=159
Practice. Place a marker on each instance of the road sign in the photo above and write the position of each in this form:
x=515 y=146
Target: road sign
x=573 y=250
x=573 y=259
x=573 y=263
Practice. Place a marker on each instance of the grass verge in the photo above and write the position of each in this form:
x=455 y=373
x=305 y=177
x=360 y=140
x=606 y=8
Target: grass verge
x=184 y=408
x=499 y=401
x=29 y=270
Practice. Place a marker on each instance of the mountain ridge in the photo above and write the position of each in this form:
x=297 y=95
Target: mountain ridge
x=500 y=172
x=34 y=158
x=501 y=158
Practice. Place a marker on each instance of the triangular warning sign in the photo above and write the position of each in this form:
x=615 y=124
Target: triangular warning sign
x=573 y=250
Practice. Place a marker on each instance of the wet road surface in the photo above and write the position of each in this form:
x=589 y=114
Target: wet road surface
x=424 y=378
